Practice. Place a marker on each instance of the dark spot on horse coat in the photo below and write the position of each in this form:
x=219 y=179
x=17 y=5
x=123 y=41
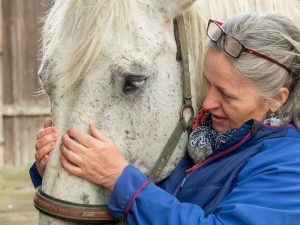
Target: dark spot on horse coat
x=85 y=198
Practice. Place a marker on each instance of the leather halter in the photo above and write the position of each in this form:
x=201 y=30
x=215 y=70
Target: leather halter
x=183 y=124
x=70 y=211
x=98 y=213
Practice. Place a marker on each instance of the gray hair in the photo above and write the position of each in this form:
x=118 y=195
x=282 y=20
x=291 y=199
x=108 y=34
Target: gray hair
x=277 y=37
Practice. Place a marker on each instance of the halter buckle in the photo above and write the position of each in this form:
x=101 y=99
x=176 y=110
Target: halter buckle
x=187 y=123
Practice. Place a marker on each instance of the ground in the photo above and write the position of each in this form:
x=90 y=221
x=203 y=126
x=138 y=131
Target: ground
x=16 y=194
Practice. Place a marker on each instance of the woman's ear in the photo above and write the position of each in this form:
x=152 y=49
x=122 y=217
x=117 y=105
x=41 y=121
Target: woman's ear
x=280 y=98
x=172 y=8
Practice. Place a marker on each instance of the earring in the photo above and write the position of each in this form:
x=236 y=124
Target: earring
x=272 y=118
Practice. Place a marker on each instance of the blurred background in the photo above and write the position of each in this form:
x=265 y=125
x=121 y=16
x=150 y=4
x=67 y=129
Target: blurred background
x=22 y=110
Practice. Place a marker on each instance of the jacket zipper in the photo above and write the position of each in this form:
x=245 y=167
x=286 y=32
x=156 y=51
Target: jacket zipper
x=196 y=166
x=179 y=187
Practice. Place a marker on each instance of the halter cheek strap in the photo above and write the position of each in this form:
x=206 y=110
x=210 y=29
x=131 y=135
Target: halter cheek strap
x=183 y=124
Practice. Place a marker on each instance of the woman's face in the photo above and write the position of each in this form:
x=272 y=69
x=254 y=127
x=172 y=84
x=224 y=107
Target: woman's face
x=229 y=98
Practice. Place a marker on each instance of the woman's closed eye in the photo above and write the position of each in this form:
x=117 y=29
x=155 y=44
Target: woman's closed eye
x=227 y=96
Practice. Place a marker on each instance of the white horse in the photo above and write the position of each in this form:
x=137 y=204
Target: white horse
x=113 y=62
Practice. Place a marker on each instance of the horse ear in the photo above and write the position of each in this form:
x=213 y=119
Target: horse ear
x=172 y=8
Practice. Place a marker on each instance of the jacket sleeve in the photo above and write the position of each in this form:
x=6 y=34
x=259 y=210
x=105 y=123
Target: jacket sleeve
x=259 y=199
x=35 y=176
x=141 y=202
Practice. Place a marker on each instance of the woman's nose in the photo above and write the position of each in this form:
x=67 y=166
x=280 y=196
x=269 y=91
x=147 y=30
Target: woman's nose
x=211 y=100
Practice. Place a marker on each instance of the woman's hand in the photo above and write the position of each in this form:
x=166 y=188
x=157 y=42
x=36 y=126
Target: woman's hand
x=93 y=157
x=46 y=141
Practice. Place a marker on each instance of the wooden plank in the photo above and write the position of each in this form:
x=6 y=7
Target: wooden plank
x=7 y=49
x=21 y=110
x=21 y=45
x=9 y=142
x=19 y=148
x=1 y=88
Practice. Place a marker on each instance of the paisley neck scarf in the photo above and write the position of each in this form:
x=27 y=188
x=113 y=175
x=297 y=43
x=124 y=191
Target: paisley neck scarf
x=204 y=140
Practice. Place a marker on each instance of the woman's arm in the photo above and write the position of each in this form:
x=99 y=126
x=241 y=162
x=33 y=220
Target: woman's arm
x=35 y=175
x=267 y=189
x=267 y=197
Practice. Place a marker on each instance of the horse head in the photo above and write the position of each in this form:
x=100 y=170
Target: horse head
x=113 y=63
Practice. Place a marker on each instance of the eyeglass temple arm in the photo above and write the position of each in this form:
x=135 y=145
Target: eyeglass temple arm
x=252 y=52
x=217 y=22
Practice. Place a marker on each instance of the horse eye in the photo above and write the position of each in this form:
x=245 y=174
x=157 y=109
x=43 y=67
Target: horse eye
x=134 y=83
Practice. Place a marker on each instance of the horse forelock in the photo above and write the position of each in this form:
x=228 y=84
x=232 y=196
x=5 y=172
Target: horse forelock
x=87 y=24
x=84 y=27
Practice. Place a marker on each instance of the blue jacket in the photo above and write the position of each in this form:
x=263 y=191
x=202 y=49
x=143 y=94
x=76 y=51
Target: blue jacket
x=254 y=179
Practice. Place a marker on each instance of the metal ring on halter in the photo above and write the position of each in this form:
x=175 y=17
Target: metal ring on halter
x=70 y=211
x=187 y=124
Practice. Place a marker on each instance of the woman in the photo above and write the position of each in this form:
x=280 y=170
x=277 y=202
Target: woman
x=243 y=160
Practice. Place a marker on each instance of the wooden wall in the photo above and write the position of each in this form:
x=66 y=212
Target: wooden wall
x=1 y=88
x=21 y=109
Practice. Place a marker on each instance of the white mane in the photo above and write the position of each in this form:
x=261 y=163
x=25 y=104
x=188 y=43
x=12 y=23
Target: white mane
x=94 y=22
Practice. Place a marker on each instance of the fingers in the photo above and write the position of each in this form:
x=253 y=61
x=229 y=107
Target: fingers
x=69 y=143
x=71 y=168
x=48 y=138
x=71 y=156
x=40 y=153
x=42 y=164
x=83 y=138
x=48 y=122
x=46 y=131
x=97 y=134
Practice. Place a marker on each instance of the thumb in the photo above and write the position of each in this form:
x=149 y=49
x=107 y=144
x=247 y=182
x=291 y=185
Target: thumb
x=48 y=122
x=97 y=134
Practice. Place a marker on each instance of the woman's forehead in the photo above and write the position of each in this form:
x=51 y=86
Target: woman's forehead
x=220 y=72
x=219 y=68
